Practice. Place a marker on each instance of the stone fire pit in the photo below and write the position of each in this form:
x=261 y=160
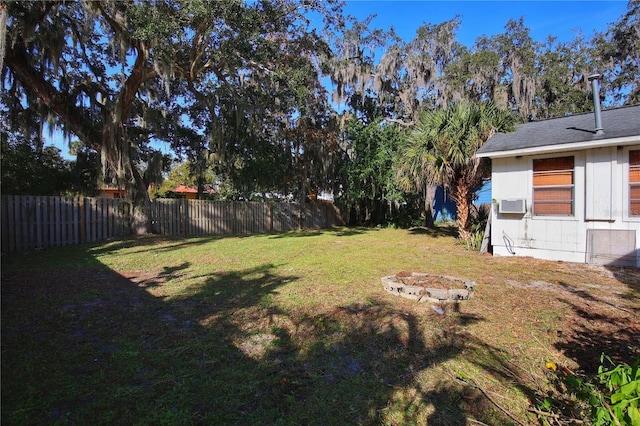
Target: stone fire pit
x=428 y=287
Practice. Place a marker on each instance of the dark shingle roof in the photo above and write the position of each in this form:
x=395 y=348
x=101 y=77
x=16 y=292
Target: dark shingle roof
x=617 y=123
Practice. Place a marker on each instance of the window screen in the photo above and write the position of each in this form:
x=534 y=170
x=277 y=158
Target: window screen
x=553 y=186
x=634 y=183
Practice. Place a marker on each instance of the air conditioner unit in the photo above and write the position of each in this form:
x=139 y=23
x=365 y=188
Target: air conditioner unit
x=513 y=206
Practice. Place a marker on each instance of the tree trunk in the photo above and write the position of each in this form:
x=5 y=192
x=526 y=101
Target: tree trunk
x=486 y=240
x=463 y=197
x=141 y=212
x=4 y=15
x=200 y=194
x=430 y=194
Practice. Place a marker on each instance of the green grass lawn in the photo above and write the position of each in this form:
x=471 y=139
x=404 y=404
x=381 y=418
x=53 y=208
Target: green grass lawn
x=296 y=328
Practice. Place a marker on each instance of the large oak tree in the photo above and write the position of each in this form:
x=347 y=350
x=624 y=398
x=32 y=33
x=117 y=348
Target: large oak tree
x=207 y=77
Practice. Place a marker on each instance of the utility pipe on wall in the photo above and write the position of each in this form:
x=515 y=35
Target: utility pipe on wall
x=593 y=78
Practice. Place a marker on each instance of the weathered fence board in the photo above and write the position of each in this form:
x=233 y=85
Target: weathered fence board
x=32 y=222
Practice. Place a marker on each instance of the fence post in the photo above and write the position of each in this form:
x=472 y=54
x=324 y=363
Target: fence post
x=232 y=217
x=38 y=221
x=81 y=220
x=11 y=220
x=185 y=216
x=4 y=223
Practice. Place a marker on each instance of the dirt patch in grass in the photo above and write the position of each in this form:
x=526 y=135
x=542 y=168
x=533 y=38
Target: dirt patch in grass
x=263 y=330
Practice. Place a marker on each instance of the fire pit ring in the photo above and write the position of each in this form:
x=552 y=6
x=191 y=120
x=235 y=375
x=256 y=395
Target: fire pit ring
x=420 y=286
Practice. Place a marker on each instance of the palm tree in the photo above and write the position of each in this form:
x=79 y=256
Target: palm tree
x=440 y=150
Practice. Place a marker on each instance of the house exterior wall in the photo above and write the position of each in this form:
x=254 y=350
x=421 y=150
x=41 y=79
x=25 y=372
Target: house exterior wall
x=111 y=193
x=188 y=195
x=601 y=200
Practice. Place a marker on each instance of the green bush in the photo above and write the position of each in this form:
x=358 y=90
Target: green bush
x=610 y=397
x=475 y=241
x=479 y=223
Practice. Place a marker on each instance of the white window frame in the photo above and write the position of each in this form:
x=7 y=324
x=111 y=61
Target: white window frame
x=626 y=202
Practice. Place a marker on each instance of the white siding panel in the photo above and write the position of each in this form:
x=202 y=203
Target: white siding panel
x=530 y=232
x=600 y=186
x=510 y=178
x=555 y=235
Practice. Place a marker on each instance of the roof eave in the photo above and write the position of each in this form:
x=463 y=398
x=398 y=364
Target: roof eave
x=549 y=149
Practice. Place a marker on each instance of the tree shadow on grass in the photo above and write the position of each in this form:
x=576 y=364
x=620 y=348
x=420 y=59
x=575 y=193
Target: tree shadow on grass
x=336 y=231
x=164 y=243
x=91 y=346
x=631 y=278
x=592 y=334
x=593 y=327
x=361 y=364
x=167 y=274
x=154 y=243
x=437 y=232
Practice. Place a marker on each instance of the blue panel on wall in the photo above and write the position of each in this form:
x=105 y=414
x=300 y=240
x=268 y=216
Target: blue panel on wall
x=443 y=208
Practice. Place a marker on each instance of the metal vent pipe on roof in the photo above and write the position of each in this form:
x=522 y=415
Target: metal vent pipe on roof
x=593 y=78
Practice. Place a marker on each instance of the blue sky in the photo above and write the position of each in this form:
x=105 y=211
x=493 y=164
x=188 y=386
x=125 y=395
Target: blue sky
x=557 y=18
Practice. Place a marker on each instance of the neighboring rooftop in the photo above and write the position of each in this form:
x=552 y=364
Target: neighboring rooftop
x=618 y=123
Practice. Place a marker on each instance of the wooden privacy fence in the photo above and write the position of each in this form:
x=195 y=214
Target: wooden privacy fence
x=31 y=222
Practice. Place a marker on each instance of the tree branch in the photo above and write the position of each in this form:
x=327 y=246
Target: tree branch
x=484 y=392
x=116 y=26
x=400 y=122
x=139 y=74
x=73 y=117
x=553 y=415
